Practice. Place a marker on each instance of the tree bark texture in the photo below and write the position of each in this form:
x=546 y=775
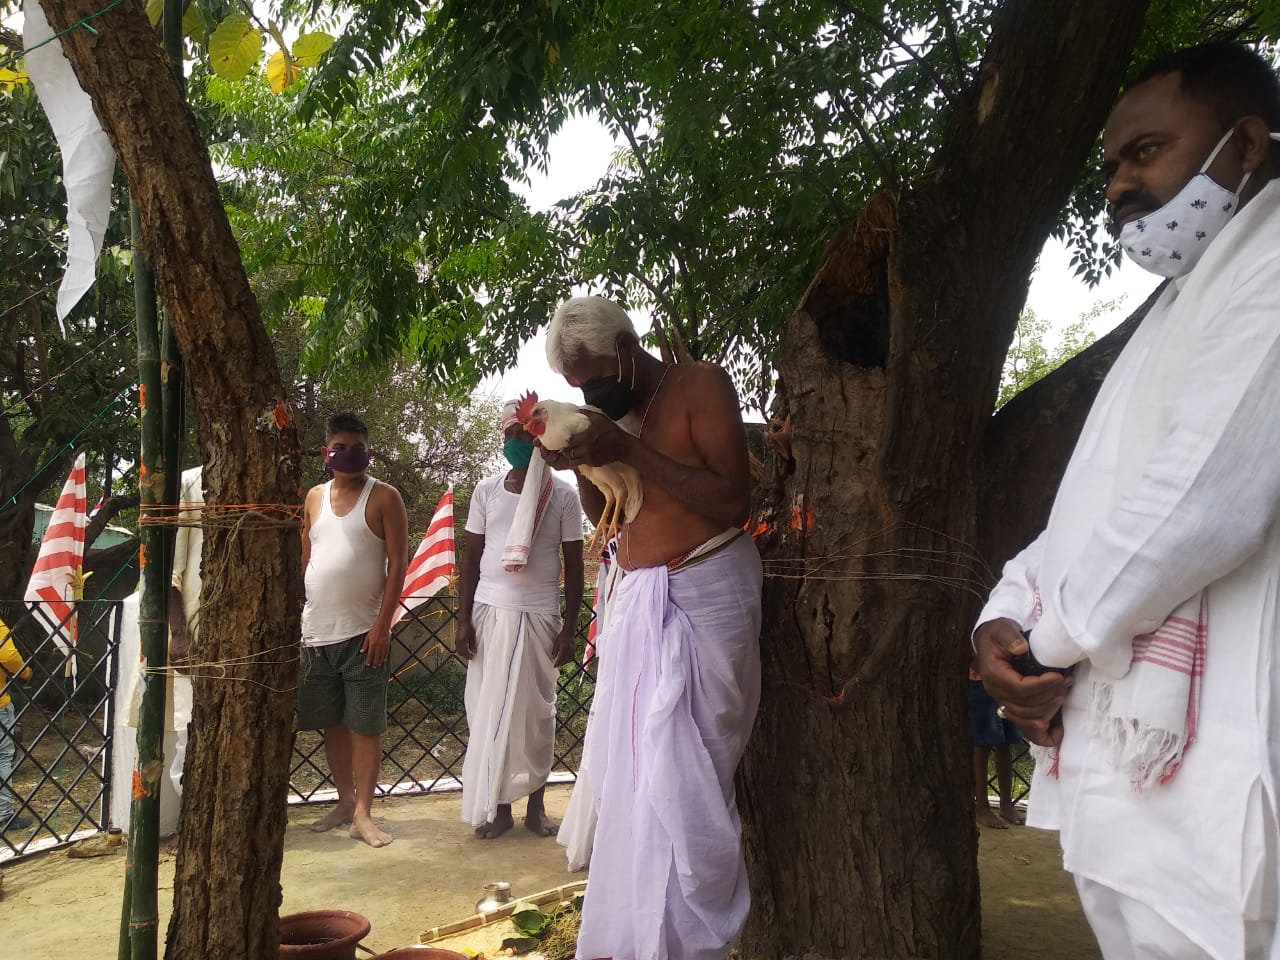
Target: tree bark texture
x=227 y=882
x=856 y=790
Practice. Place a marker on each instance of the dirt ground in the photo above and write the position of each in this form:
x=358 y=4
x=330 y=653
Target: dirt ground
x=55 y=907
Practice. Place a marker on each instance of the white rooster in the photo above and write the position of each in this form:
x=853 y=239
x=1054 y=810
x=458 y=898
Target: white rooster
x=554 y=424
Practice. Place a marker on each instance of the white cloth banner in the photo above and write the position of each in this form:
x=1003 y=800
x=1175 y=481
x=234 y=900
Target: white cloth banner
x=88 y=162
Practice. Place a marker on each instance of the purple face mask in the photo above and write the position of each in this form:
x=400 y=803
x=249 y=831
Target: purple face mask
x=354 y=460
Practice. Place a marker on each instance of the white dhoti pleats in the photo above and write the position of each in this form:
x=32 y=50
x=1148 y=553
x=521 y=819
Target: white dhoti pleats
x=511 y=710
x=677 y=696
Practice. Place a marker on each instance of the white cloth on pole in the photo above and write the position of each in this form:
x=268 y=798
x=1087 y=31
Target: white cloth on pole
x=676 y=700
x=1173 y=489
x=124 y=757
x=88 y=161
x=188 y=548
x=511 y=709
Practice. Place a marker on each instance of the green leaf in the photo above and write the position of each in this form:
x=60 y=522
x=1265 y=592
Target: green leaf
x=532 y=923
x=235 y=47
x=194 y=26
x=155 y=10
x=310 y=47
x=520 y=944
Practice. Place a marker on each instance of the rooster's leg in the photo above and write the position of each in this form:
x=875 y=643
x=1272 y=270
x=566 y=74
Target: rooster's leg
x=606 y=520
x=615 y=518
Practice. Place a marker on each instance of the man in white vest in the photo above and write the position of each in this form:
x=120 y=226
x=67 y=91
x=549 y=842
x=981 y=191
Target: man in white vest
x=355 y=549
x=1154 y=583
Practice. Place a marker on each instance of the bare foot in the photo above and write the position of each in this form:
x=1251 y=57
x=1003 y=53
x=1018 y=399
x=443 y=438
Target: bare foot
x=989 y=818
x=337 y=817
x=540 y=825
x=363 y=828
x=1010 y=814
x=497 y=826
x=171 y=846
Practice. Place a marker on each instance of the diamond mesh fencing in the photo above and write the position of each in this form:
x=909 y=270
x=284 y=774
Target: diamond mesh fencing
x=59 y=777
x=426 y=734
x=1023 y=766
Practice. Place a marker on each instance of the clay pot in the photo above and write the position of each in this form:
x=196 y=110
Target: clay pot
x=322 y=934
x=420 y=953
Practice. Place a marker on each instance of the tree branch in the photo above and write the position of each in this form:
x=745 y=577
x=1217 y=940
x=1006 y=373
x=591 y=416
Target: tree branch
x=110 y=509
x=949 y=30
x=897 y=39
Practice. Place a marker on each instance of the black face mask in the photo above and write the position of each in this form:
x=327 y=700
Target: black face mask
x=610 y=395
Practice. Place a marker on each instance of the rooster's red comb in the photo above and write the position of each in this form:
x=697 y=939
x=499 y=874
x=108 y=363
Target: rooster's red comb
x=525 y=405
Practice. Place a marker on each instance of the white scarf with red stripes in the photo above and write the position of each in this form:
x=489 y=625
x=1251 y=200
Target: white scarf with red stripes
x=1148 y=717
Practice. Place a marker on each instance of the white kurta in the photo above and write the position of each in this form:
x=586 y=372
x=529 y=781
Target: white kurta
x=1174 y=488
x=677 y=696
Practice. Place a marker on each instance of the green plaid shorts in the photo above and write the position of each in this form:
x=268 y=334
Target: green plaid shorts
x=336 y=686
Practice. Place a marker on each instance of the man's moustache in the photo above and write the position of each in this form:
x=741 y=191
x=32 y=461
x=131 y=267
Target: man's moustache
x=1133 y=202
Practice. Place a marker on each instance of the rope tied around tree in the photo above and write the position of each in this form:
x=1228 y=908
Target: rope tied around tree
x=224 y=516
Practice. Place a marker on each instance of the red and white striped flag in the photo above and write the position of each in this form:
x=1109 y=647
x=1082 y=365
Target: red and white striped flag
x=58 y=575
x=434 y=563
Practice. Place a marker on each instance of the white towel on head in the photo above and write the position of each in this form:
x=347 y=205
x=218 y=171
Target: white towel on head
x=529 y=513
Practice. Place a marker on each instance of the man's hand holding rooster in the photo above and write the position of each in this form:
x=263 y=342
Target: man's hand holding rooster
x=603 y=442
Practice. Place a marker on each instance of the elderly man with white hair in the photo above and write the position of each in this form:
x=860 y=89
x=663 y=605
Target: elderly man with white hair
x=680 y=679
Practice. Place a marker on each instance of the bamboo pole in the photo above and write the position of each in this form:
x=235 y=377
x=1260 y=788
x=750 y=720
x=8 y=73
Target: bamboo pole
x=161 y=390
x=144 y=831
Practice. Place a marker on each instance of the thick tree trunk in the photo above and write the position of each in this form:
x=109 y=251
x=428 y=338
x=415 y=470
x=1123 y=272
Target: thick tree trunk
x=227 y=884
x=856 y=789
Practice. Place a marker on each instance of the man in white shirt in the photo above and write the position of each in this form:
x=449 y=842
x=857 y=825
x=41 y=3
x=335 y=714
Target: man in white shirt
x=355 y=549
x=1155 y=579
x=521 y=524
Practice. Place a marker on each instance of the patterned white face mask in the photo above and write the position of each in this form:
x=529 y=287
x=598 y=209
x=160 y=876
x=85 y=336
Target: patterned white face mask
x=1171 y=240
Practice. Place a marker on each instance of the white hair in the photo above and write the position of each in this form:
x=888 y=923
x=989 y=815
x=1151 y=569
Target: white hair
x=585 y=327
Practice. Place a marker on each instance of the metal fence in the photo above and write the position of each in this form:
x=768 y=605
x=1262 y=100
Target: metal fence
x=61 y=769
x=426 y=718
x=62 y=766
x=1023 y=766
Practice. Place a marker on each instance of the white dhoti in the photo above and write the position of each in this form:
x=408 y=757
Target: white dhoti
x=511 y=710
x=676 y=700
x=578 y=828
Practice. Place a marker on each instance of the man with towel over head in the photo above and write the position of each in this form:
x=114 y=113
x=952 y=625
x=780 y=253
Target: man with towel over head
x=679 y=680
x=511 y=633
